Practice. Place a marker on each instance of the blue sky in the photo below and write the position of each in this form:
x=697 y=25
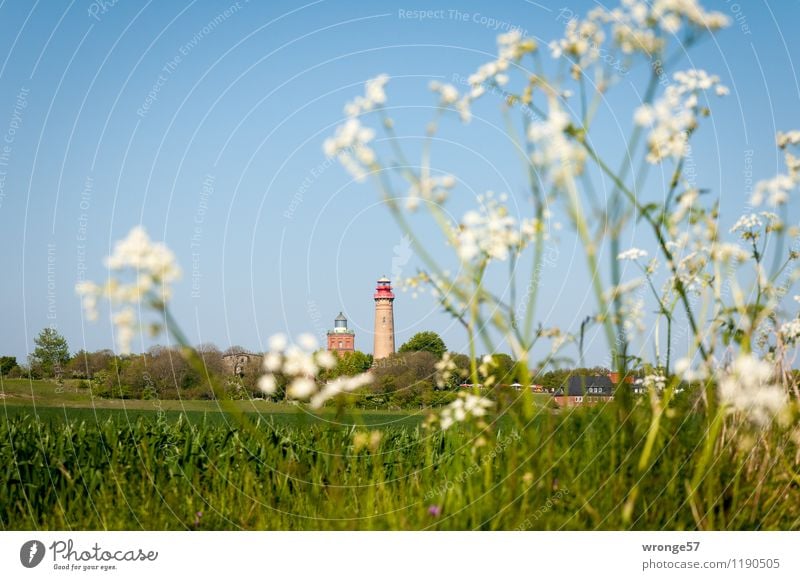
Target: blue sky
x=204 y=122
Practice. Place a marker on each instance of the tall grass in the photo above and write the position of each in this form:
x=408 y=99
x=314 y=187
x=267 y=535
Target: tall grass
x=575 y=470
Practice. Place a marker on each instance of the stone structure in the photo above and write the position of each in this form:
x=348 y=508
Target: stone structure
x=384 y=319
x=341 y=339
x=236 y=362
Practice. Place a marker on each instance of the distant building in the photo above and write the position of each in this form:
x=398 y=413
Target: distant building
x=582 y=390
x=341 y=339
x=236 y=362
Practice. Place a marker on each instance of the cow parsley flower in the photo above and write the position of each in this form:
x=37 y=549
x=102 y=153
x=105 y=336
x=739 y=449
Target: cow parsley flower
x=448 y=94
x=349 y=146
x=582 y=41
x=775 y=190
x=633 y=254
x=683 y=368
x=656 y=382
x=790 y=332
x=788 y=138
x=489 y=232
x=374 y=96
x=153 y=269
x=464 y=408
x=672 y=117
x=748 y=386
x=435 y=189
x=445 y=370
x=300 y=364
x=555 y=154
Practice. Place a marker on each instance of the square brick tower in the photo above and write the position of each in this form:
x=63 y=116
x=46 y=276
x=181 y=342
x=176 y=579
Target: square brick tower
x=384 y=319
x=341 y=339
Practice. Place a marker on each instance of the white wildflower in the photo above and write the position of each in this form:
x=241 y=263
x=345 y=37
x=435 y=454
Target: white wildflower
x=582 y=41
x=267 y=384
x=675 y=114
x=726 y=252
x=349 y=146
x=301 y=365
x=491 y=232
x=435 y=189
x=776 y=190
x=683 y=368
x=277 y=342
x=653 y=381
x=307 y=341
x=273 y=361
x=788 y=138
x=790 y=332
x=374 y=95
x=301 y=388
x=448 y=94
x=124 y=321
x=340 y=385
x=325 y=359
x=746 y=222
x=749 y=387
x=445 y=368
x=632 y=254
x=555 y=153
x=154 y=269
x=466 y=406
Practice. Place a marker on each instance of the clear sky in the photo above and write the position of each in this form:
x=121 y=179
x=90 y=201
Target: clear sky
x=204 y=122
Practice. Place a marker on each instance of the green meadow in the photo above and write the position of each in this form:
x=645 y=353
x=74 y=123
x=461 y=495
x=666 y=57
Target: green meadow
x=131 y=465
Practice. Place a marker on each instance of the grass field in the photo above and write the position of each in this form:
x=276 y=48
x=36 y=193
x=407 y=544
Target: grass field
x=48 y=401
x=72 y=467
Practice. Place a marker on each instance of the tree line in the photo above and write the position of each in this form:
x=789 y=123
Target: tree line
x=408 y=378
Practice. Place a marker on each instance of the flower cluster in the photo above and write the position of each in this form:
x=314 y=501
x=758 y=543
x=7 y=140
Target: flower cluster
x=749 y=226
x=154 y=269
x=631 y=27
x=633 y=254
x=511 y=47
x=581 y=42
x=435 y=189
x=655 y=382
x=374 y=96
x=448 y=94
x=350 y=146
x=776 y=190
x=636 y=23
x=790 y=332
x=300 y=364
x=446 y=369
x=465 y=407
x=490 y=233
x=555 y=153
x=749 y=387
x=349 y=143
x=675 y=115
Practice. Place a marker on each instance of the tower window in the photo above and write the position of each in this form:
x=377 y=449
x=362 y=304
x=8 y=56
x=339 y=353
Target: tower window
x=384 y=320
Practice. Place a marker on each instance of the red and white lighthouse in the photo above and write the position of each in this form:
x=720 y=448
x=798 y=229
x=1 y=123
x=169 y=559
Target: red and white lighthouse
x=384 y=319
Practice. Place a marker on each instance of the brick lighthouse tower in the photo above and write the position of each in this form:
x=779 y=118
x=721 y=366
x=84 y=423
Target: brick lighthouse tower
x=384 y=319
x=341 y=339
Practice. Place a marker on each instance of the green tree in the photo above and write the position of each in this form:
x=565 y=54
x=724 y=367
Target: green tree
x=425 y=341
x=349 y=364
x=6 y=364
x=51 y=352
